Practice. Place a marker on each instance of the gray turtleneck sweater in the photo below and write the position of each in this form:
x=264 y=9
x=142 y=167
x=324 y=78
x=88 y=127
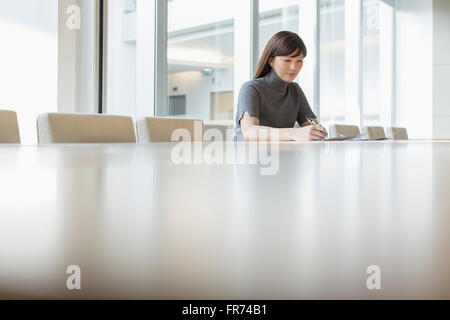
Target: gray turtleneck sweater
x=274 y=102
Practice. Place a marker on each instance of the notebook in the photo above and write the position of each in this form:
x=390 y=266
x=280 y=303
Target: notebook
x=360 y=137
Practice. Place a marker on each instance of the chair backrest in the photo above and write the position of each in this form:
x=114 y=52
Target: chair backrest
x=337 y=130
x=84 y=128
x=223 y=130
x=396 y=133
x=373 y=132
x=152 y=129
x=9 y=127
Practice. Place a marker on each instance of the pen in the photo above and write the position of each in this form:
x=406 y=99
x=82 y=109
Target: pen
x=312 y=122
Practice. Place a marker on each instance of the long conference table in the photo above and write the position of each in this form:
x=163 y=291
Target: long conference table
x=140 y=225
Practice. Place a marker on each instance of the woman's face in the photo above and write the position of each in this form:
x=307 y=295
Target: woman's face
x=287 y=67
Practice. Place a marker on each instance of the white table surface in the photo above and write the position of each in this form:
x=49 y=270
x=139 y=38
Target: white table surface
x=140 y=226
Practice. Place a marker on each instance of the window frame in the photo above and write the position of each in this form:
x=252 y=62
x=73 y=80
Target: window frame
x=251 y=17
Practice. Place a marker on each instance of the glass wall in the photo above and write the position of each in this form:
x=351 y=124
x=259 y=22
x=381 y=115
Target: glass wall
x=371 y=69
x=121 y=58
x=332 y=61
x=371 y=61
x=200 y=60
x=28 y=61
x=199 y=74
x=275 y=16
x=377 y=47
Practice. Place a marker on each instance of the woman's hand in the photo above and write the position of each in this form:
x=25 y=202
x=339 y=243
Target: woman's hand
x=252 y=131
x=309 y=133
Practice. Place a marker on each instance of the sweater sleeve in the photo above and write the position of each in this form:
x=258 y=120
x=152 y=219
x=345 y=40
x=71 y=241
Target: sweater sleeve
x=305 y=109
x=249 y=100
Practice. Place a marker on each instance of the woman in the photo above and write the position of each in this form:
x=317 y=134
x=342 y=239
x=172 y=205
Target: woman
x=270 y=104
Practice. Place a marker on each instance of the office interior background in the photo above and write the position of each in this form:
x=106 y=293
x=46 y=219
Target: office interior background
x=370 y=62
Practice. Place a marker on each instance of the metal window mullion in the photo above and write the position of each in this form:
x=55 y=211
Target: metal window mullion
x=254 y=35
x=361 y=66
x=105 y=58
x=317 y=61
x=244 y=46
x=161 y=105
x=393 y=71
x=97 y=50
x=101 y=56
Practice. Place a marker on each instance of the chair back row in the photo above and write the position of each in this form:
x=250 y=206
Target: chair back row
x=95 y=128
x=368 y=132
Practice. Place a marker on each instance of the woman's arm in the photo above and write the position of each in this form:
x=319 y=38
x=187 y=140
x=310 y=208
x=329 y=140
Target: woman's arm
x=305 y=112
x=252 y=131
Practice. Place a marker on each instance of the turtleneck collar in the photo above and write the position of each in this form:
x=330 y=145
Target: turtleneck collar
x=275 y=82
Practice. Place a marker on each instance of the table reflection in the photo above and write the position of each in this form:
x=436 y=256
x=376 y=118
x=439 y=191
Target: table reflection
x=140 y=226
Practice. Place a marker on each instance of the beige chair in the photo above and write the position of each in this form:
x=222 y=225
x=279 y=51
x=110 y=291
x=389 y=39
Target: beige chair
x=396 y=133
x=336 y=130
x=220 y=127
x=9 y=127
x=84 y=128
x=373 y=133
x=152 y=129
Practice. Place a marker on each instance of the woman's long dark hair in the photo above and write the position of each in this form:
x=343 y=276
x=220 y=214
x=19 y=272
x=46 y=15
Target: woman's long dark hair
x=283 y=43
